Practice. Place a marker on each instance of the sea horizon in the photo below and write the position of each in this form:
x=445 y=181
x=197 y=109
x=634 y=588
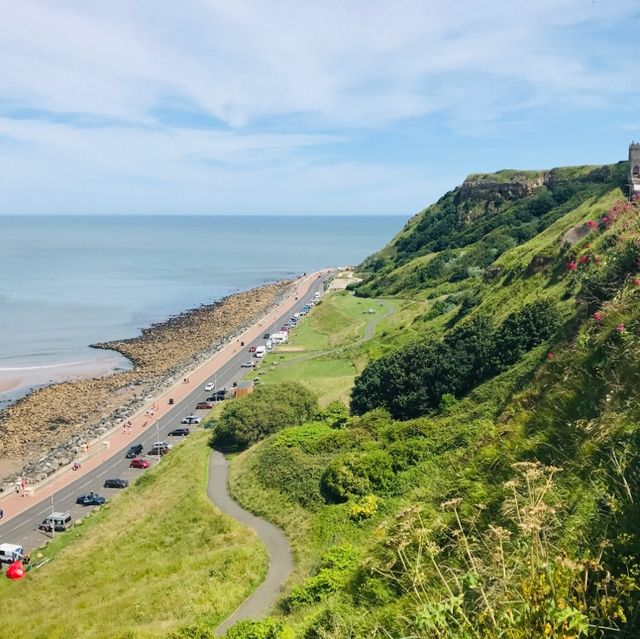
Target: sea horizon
x=74 y=280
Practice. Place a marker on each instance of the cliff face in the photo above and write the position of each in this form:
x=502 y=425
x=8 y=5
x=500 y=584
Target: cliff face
x=465 y=231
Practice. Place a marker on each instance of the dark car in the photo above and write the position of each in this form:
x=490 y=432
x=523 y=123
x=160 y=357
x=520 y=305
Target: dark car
x=178 y=432
x=204 y=405
x=158 y=451
x=140 y=463
x=134 y=451
x=266 y=336
x=221 y=393
x=116 y=483
x=90 y=499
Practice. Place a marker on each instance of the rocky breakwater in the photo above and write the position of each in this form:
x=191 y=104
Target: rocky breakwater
x=48 y=427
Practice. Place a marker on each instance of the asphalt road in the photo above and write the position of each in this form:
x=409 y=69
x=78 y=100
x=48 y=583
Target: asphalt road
x=23 y=529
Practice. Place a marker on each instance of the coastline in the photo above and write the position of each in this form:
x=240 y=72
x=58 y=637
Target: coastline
x=44 y=429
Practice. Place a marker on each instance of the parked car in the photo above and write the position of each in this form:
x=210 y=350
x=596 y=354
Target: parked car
x=204 y=405
x=179 y=432
x=116 y=483
x=210 y=386
x=56 y=521
x=221 y=393
x=162 y=445
x=139 y=463
x=189 y=419
x=10 y=553
x=247 y=364
x=252 y=349
x=90 y=499
x=266 y=336
x=158 y=451
x=134 y=451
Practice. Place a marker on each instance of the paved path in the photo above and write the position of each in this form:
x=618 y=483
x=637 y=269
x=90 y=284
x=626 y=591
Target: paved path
x=280 y=561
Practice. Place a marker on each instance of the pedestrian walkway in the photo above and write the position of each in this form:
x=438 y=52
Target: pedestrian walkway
x=118 y=438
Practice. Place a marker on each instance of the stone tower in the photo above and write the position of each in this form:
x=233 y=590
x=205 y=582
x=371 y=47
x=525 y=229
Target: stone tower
x=634 y=168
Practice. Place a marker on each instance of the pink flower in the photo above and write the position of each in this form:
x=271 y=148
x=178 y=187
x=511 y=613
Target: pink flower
x=620 y=328
x=551 y=356
x=583 y=259
x=592 y=224
x=598 y=316
x=572 y=266
x=636 y=281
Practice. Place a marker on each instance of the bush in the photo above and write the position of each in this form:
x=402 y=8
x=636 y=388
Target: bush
x=366 y=508
x=332 y=574
x=268 y=409
x=268 y=628
x=357 y=474
x=413 y=380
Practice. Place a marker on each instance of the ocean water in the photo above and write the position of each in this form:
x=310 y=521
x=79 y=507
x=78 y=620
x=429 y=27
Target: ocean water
x=69 y=281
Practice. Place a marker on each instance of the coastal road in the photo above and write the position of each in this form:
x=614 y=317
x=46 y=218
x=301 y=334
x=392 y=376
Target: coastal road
x=22 y=529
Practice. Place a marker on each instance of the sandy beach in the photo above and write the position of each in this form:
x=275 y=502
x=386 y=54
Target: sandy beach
x=18 y=381
x=53 y=415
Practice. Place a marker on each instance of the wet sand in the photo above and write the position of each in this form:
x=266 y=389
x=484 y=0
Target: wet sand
x=19 y=381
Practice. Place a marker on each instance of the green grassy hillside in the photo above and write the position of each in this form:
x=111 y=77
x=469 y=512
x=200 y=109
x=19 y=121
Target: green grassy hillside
x=157 y=560
x=487 y=481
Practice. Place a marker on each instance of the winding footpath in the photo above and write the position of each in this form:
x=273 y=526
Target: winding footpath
x=280 y=560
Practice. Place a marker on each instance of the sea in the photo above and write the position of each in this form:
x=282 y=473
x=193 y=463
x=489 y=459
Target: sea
x=69 y=281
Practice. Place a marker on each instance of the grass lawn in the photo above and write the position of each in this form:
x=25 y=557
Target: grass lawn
x=330 y=379
x=157 y=558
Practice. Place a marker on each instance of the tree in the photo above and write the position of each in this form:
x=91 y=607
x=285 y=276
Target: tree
x=268 y=409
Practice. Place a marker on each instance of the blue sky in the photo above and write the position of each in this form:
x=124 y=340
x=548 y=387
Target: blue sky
x=248 y=107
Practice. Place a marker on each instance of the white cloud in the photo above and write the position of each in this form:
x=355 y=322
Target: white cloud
x=284 y=79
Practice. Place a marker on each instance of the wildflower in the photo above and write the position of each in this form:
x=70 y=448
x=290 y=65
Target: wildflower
x=597 y=259
x=636 y=281
x=592 y=224
x=620 y=328
x=598 y=316
x=451 y=504
x=572 y=266
x=583 y=259
x=551 y=356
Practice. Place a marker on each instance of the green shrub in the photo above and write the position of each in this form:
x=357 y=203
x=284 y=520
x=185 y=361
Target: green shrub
x=332 y=574
x=268 y=628
x=366 y=508
x=268 y=409
x=357 y=474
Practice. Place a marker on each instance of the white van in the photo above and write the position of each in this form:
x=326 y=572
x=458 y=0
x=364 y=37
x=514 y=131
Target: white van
x=56 y=521
x=10 y=553
x=260 y=351
x=268 y=344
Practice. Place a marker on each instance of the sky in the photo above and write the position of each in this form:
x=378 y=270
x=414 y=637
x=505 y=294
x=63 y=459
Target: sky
x=301 y=107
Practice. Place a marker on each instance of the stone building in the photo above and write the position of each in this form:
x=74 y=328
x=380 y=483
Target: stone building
x=634 y=168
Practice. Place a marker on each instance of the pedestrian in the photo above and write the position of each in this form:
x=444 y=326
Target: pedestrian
x=1 y=513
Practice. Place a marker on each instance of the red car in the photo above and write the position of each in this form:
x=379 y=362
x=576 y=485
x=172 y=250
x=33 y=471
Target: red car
x=252 y=349
x=204 y=406
x=140 y=463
